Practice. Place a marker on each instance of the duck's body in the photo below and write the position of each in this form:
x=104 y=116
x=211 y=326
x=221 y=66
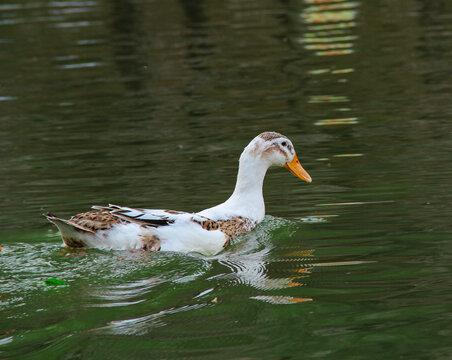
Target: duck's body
x=206 y=232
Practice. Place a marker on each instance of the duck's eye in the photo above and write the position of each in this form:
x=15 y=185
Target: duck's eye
x=284 y=143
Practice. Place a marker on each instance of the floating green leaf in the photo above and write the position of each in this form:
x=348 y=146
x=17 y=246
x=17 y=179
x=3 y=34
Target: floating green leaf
x=56 y=282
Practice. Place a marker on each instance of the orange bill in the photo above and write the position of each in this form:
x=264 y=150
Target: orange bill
x=295 y=168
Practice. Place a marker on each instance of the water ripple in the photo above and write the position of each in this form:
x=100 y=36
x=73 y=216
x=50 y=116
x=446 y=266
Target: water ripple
x=80 y=65
x=143 y=324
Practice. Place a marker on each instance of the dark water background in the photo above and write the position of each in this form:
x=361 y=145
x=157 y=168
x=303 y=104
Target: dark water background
x=149 y=103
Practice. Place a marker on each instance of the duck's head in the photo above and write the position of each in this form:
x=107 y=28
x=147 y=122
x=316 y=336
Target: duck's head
x=276 y=150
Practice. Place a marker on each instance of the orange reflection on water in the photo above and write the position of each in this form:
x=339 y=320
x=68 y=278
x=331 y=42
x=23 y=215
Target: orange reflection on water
x=303 y=270
x=293 y=283
x=299 y=300
x=280 y=300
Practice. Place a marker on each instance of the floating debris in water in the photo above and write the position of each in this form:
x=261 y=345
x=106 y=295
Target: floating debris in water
x=53 y=281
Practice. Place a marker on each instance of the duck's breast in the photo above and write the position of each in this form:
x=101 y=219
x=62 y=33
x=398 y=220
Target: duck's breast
x=191 y=237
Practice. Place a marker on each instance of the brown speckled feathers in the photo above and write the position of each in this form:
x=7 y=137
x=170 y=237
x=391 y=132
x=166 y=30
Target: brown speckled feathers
x=231 y=227
x=96 y=220
x=105 y=218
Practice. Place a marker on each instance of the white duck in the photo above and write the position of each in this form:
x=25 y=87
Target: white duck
x=206 y=232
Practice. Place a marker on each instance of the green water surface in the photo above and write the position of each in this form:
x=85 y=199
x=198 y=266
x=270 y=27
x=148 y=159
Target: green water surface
x=149 y=104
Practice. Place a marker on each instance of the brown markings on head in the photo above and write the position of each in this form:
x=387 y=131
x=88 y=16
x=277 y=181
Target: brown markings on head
x=271 y=135
x=274 y=148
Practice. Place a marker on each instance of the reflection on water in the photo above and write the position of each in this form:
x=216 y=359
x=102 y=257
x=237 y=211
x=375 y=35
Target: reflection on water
x=331 y=31
x=142 y=325
x=149 y=104
x=335 y=37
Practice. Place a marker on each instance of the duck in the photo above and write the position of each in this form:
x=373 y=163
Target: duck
x=206 y=232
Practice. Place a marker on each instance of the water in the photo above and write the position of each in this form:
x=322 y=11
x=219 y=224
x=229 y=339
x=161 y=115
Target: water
x=148 y=104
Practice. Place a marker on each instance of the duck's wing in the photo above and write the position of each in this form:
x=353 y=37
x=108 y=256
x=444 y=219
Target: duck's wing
x=150 y=217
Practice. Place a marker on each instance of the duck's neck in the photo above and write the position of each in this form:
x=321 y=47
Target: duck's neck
x=247 y=199
x=247 y=196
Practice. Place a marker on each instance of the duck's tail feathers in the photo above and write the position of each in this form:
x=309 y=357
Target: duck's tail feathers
x=73 y=234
